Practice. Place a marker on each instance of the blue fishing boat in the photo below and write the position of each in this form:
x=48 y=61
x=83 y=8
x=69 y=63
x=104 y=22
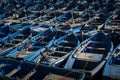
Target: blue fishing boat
x=62 y=48
x=33 y=46
x=58 y=38
x=90 y=55
x=10 y=42
x=113 y=21
x=36 y=56
x=12 y=69
x=112 y=67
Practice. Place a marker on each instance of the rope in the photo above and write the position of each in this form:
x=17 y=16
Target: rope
x=85 y=63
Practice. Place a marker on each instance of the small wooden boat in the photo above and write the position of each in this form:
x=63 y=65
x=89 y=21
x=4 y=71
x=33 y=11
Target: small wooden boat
x=90 y=55
x=7 y=67
x=10 y=42
x=33 y=46
x=62 y=48
x=112 y=67
x=97 y=21
x=113 y=22
x=13 y=70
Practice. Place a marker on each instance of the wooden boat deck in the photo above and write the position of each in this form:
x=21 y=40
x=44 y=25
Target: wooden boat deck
x=94 y=57
x=22 y=54
x=57 y=77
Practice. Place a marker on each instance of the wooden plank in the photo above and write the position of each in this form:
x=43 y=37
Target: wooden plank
x=21 y=35
x=96 y=48
x=2 y=65
x=22 y=54
x=60 y=52
x=65 y=41
x=10 y=44
x=89 y=56
x=25 y=52
x=38 y=29
x=18 y=40
x=65 y=47
x=117 y=54
x=57 y=77
x=13 y=71
x=55 y=57
x=71 y=60
x=29 y=74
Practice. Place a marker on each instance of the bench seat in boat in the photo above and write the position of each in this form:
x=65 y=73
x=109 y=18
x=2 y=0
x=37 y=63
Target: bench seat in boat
x=93 y=57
